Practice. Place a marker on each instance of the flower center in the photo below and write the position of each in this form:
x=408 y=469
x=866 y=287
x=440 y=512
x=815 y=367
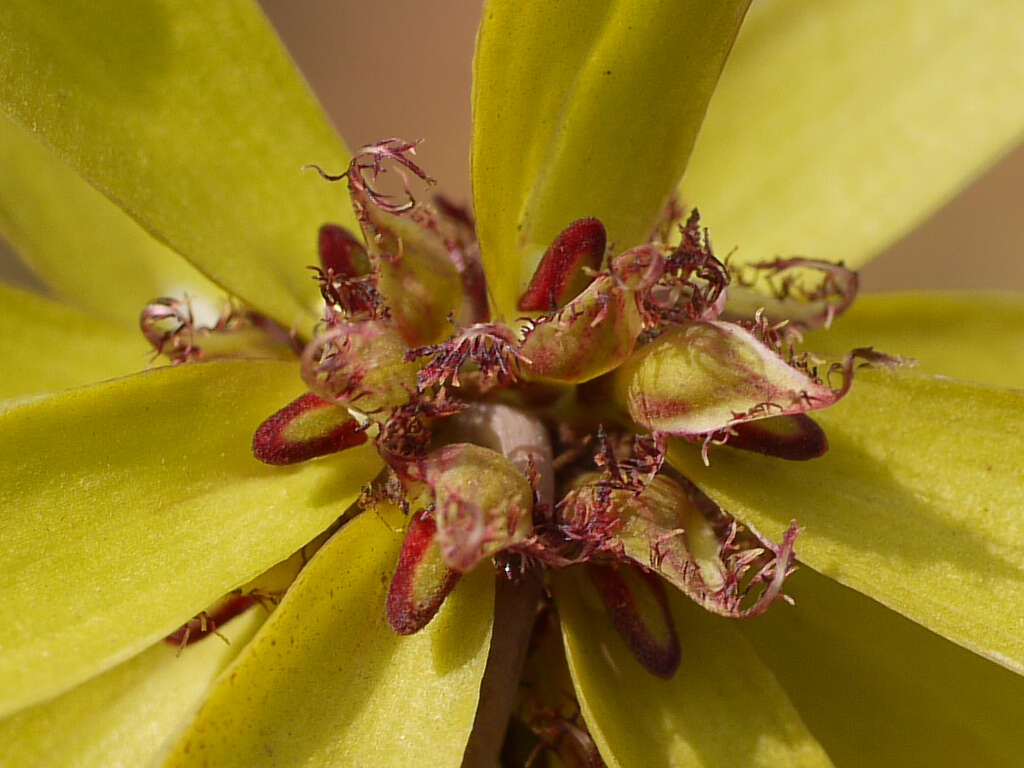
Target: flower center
x=541 y=443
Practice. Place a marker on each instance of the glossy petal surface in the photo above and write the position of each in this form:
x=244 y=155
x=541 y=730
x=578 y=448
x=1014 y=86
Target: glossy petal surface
x=83 y=246
x=970 y=336
x=917 y=503
x=585 y=109
x=723 y=707
x=328 y=683
x=130 y=506
x=123 y=716
x=839 y=125
x=45 y=346
x=191 y=116
x=894 y=695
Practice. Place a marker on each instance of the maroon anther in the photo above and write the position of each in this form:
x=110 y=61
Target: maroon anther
x=796 y=437
x=206 y=623
x=421 y=581
x=560 y=276
x=620 y=587
x=272 y=444
x=341 y=252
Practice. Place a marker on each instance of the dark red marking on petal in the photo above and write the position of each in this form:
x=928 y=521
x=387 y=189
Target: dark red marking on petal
x=272 y=445
x=560 y=275
x=341 y=252
x=623 y=589
x=206 y=623
x=797 y=437
x=422 y=580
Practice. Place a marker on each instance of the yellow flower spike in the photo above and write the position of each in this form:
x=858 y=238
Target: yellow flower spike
x=98 y=724
x=970 y=336
x=723 y=706
x=917 y=503
x=839 y=125
x=380 y=699
x=152 y=484
x=79 y=243
x=585 y=109
x=52 y=346
x=216 y=146
x=879 y=690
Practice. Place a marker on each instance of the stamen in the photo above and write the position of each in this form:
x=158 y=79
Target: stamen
x=305 y=428
x=562 y=271
x=638 y=607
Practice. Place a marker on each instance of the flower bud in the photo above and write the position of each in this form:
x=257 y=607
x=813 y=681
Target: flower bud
x=360 y=365
x=483 y=503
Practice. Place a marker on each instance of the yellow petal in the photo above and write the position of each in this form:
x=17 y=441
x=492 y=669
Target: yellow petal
x=585 y=109
x=191 y=116
x=970 y=336
x=878 y=690
x=917 y=503
x=723 y=707
x=839 y=125
x=123 y=716
x=129 y=506
x=327 y=682
x=45 y=346
x=85 y=248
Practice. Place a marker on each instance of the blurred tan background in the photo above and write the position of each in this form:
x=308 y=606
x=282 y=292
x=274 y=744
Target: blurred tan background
x=402 y=68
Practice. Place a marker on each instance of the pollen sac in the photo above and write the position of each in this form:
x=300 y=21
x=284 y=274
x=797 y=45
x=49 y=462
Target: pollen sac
x=797 y=437
x=593 y=334
x=360 y=365
x=483 y=503
x=206 y=623
x=638 y=607
x=702 y=377
x=422 y=579
x=561 y=273
x=341 y=252
x=307 y=427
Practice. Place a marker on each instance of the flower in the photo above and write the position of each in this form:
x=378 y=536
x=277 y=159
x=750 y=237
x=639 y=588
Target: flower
x=132 y=504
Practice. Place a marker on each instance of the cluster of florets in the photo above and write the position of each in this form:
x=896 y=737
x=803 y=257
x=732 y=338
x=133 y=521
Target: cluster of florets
x=541 y=442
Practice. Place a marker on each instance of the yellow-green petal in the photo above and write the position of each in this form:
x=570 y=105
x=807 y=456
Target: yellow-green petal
x=128 y=507
x=84 y=247
x=722 y=707
x=191 y=116
x=878 y=690
x=122 y=717
x=585 y=108
x=917 y=503
x=839 y=125
x=970 y=336
x=327 y=682
x=45 y=346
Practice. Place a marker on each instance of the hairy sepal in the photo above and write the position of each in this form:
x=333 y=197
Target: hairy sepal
x=360 y=365
x=704 y=377
x=683 y=537
x=422 y=578
x=638 y=608
x=809 y=293
x=415 y=273
x=590 y=336
x=307 y=427
x=483 y=503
